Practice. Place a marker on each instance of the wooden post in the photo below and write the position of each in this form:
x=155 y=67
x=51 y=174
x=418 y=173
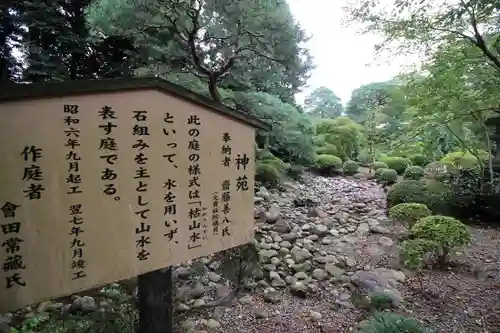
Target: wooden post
x=155 y=301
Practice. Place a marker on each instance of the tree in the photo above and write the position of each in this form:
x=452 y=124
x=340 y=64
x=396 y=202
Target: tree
x=323 y=103
x=216 y=37
x=10 y=33
x=415 y=26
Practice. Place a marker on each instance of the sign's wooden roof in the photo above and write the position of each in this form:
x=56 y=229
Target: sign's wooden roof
x=11 y=92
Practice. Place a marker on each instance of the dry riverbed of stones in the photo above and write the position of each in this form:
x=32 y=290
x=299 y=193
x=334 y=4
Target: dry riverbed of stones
x=324 y=244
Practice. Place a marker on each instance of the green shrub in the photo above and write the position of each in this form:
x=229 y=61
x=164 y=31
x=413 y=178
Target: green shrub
x=397 y=163
x=365 y=158
x=418 y=159
x=438 y=171
x=465 y=160
x=409 y=213
x=350 y=167
x=380 y=165
x=328 y=164
x=387 y=176
x=435 y=195
x=446 y=232
x=388 y=322
x=380 y=301
x=413 y=253
x=414 y=172
x=295 y=172
x=327 y=149
x=267 y=174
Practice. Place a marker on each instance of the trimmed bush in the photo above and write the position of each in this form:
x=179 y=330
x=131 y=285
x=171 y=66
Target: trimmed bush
x=365 y=158
x=388 y=322
x=409 y=213
x=446 y=232
x=414 y=172
x=397 y=163
x=438 y=171
x=328 y=164
x=380 y=165
x=267 y=174
x=437 y=196
x=327 y=149
x=388 y=176
x=350 y=167
x=418 y=159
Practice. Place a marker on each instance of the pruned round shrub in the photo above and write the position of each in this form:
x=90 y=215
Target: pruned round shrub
x=365 y=158
x=418 y=159
x=350 y=167
x=414 y=172
x=397 y=163
x=380 y=165
x=388 y=322
x=447 y=232
x=414 y=252
x=387 y=176
x=327 y=149
x=267 y=174
x=409 y=213
x=328 y=164
x=435 y=195
x=438 y=171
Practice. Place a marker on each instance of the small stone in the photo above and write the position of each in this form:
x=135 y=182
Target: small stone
x=320 y=230
x=260 y=313
x=385 y=241
x=298 y=289
x=333 y=270
x=214 y=277
x=319 y=274
x=301 y=275
x=212 y=323
x=183 y=307
x=189 y=324
x=315 y=316
x=247 y=299
x=199 y=303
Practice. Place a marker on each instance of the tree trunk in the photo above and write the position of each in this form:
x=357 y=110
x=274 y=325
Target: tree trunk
x=155 y=302
x=212 y=87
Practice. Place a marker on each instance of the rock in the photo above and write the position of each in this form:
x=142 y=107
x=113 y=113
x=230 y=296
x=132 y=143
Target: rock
x=263 y=193
x=266 y=255
x=197 y=291
x=278 y=282
x=272 y=215
x=300 y=255
x=85 y=304
x=257 y=200
x=301 y=275
x=189 y=324
x=4 y=328
x=333 y=270
x=199 y=303
x=272 y=297
x=378 y=229
x=319 y=274
x=385 y=241
x=182 y=273
x=290 y=237
x=260 y=313
x=286 y=244
x=282 y=227
x=315 y=316
x=316 y=212
x=214 y=277
x=212 y=323
x=298 y=289
x=247 y=299
x=6 y=318
x=183 y=307
x=363 y=229
x=320 y=230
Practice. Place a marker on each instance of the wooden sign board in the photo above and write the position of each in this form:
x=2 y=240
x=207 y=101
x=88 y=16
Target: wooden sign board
x=110 y=179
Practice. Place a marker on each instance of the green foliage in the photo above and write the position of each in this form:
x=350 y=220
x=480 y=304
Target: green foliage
x=323 y=103
x=414 y=252
x=295 y=172
x=327 y=149
x=414 y=172
x=267 y=174
x=434 y=195
x=409 y=213
x=446 y=232
x=465 y=160
x=380 y=165
x=343 y=133
x=387 y=322
x=388 y=176
x=418 y=159
x=438 y=171
x=350 y=167
x=397 y=163
x=328 y=164
x=365 y=158
x=380 y=301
